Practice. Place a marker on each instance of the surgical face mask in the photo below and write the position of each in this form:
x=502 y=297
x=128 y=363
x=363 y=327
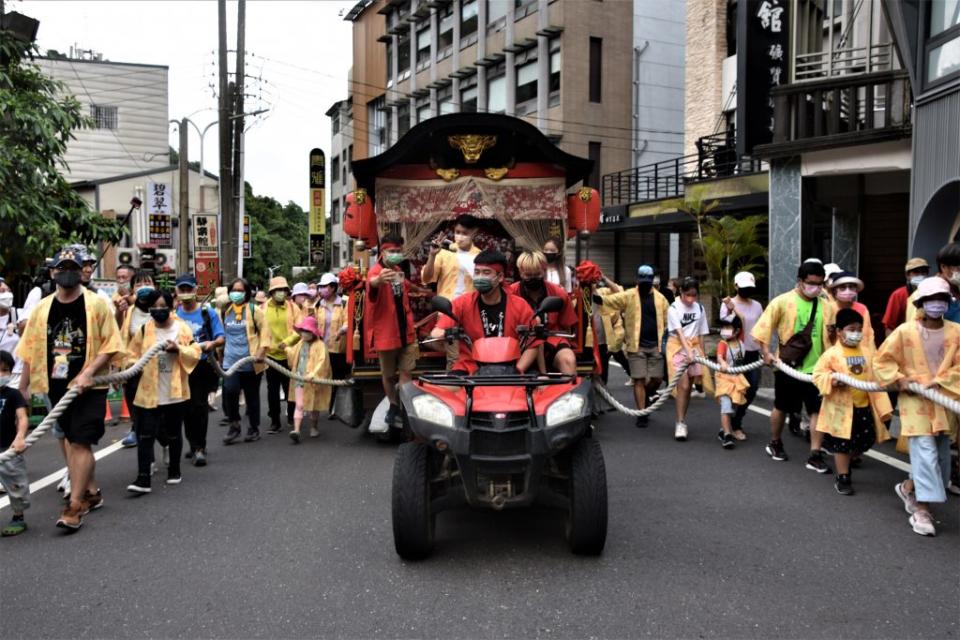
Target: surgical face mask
x=67 y=279
x=746 y=292
x=393 y=259
x=6 y=299
x=811 y=290
x=160 y=316
x=5 y=380
x=279 y=296
x=845 y=295
x=236 y=297
x=726 y=334
x=852 y=338
x=552 y=257
x=533 y=284
x=934 y=309
x=313 y=292
x=916 y=280
x=326 y=292
x=483 y=284
x=143 y=292
x=187 y=297
x=954 y=279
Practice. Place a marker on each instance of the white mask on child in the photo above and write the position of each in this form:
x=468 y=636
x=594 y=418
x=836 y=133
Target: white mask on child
x=852 y=338
x=726 y=334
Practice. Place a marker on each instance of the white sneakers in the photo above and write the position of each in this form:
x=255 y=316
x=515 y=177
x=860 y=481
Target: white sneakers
x=680 y=433
x=909 y=500
x=922 y=523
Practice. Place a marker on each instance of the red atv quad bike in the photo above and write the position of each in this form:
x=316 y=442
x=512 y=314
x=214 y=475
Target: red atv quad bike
x=498 y=439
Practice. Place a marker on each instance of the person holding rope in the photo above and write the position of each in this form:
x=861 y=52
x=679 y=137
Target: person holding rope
x=331 y=314
x=731 y=389
x=163 y=394
x=744 y=306
x=133 y=319
x=304 y=298
x=281 y=316
x=687 y=324
x=13 y=433
x=208 y=333
x=309 y=360
x=72 y=337
x=246 y=334
x=925 y=350
x=797 y=319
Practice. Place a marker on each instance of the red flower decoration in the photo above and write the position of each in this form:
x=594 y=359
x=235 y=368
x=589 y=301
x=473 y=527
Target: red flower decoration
x=350 y=279
x=588 y=272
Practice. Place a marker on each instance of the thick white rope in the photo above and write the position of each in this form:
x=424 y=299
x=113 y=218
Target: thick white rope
x=279 y=367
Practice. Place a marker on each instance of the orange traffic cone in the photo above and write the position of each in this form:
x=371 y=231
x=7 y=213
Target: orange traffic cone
x=124 y=410
x=109 y=415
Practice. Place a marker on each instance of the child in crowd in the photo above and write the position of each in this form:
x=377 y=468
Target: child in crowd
x=686 y=323
x=850 y=419
x=309 y=360
x=925 y=350
x=13 y=433
x=731 y=389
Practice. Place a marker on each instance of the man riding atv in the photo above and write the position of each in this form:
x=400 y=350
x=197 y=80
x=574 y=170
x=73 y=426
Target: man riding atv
x=491 y=311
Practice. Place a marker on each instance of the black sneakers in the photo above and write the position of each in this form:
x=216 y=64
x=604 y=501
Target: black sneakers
x=274 y=428
x=776 y=451
x=252 y=435
x=200 y=458
x=815 y=463
x=727 y=441
x=140 y=485
x=843 y=485
x=642 y=422
x=233 y=433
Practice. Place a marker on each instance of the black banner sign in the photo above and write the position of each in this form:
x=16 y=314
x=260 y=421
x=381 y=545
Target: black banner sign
x=763 y=39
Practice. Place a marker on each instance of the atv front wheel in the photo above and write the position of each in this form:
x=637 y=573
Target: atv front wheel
x=587 y=517
x=412 y=519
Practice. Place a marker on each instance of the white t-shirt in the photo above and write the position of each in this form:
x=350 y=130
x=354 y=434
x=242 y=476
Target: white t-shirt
x=691 y=320
x=465 y=261
x=9 y=339
x=553 y=276
x=166 y=362
x=138 y=318
x=750 y=312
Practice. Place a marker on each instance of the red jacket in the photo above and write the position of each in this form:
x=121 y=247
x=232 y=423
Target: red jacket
x=467 y=309
x=381 y=320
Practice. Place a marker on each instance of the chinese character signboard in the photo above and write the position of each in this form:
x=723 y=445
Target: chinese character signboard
x=159 y=198
x=318 y=208
x=763 y=37
x=208 y=272
x=160 y=232
x=206 y=236
x=246 y=238
x=159 y=206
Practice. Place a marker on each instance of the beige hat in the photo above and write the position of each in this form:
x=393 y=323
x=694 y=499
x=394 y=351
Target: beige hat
x=916 y=263
x=278 y=283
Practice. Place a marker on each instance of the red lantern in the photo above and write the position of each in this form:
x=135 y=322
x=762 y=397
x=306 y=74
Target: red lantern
x=583 y=211
x=359 y=220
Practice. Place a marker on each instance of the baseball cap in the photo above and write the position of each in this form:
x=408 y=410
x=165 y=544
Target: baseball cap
x=67 y=254
x=931 y=287
x=186 y=280
x=644 y=273
x=744 y=280
x=328 y=279
x=916 y=263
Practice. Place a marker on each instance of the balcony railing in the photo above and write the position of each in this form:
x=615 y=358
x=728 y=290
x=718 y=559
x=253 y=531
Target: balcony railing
x=842 y=62
x=716 y=157
x=839 y=111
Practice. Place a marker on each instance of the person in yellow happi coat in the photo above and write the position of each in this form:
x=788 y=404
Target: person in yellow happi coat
x=608 y=325
x=309 y=359
x=925 y=350
x=731 y=389
x=850 y=419
x=164 y=389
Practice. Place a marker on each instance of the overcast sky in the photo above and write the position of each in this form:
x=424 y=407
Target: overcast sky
x=182 y=34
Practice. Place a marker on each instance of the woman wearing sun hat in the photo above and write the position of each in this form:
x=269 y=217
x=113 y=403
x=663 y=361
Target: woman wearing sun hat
x=844 y=287
x=308 y=359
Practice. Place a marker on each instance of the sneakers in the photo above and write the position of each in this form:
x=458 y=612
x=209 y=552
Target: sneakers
x=680 y=432
x=200 y=458
x=776 y=451
x=909 y=499
x=642 y=422
x=314 y=432
x=727 y=441
x=174 y=477
x=92 y=501
x=233 y=433
x=64 y=486
x=392 y=414
x=954 y=489
x=252 y=435
x=140 y=485
x=815 y=463
x=295 y=436
x=71 y=518
x=129 y=440
x=274 y=428
x=14 y=528
x=843 y=485
x=922 y=523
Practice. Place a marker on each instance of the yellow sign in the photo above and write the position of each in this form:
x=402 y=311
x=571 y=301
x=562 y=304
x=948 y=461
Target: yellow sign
x=318 y=212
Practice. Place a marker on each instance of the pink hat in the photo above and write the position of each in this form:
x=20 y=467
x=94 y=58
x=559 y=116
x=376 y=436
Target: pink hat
x=931 y=287
x=309 y=323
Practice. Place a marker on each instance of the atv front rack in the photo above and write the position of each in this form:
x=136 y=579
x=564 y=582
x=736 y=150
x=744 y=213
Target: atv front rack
x=528 y=380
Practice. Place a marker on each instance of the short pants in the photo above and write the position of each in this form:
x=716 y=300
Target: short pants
x=646 y=364
x=727 y=407
x=694 y=370
x=791 y=395
x=402 y=359
x=82 y=422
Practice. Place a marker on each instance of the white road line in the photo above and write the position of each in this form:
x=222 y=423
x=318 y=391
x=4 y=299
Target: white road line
x=48 y=480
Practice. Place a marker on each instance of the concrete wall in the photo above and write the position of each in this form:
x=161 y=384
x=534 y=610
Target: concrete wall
x=139 y=92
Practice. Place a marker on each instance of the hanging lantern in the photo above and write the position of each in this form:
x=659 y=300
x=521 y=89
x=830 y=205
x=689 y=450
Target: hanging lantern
x=583 y=211
x=359 y=219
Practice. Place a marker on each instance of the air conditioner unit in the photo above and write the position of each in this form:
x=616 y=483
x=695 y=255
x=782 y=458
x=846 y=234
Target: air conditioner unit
x=129 y=257
x=166 y=260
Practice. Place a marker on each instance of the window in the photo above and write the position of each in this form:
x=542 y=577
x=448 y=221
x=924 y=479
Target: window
x=335 y=212
x=403 y=118
x=555 y=61
x=403 y=56
x=944 y=14
x=468 y=23
x=942 y=46
x=497 y=94
x=377 y=125
x=390 y=77
x=335 y=120
x=445 y=100
x=343 y=168
x=468 y=99
x=445 y=37
x=593 y=153
x=350 y=158
x=523 y=8
x=423 y=46
x=596 y=69
x=423 y=113
x=527 y=74
x=497 y=13
x=335 y=168
x=336 y=255
x=103 y=117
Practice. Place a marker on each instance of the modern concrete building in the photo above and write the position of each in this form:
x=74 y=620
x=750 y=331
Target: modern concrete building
x=341 y=180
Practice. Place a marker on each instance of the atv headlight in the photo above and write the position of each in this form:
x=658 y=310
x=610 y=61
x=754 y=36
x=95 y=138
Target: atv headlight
x=565 y=408
x=433 y=410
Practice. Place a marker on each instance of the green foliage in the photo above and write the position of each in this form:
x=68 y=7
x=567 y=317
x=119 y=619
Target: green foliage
x=729 y=245
x=39 y=212
x=279 y=236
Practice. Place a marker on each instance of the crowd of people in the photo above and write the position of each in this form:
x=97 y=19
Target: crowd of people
x=68 y=335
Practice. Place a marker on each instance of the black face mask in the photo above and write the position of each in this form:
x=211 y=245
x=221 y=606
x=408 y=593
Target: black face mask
x=552 y=257
x=746 y=292
x=160 y=316
x=67 y=279
x=644 y=288
x=533 y=284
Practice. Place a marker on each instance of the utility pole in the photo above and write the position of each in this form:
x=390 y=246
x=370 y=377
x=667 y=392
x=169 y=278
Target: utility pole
x=183 y=257
x=228 y=223
x=240 y=188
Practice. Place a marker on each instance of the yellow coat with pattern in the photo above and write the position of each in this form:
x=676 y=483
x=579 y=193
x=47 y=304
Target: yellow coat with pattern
x=836 y=409
x=781 y=316
x=148 y=387
x=613 y=328
x=316 y=397
x=627 y=302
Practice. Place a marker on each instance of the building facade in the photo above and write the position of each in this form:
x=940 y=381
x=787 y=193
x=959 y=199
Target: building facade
x=128 y=104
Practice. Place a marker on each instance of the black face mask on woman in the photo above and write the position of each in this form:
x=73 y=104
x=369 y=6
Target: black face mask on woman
x=746 y=292
x=552 y=258
x=160 y=316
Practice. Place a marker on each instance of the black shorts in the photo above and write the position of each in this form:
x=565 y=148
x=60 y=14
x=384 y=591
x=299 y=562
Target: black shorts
x=82 y=422
x=790 y=394
x=550 y=352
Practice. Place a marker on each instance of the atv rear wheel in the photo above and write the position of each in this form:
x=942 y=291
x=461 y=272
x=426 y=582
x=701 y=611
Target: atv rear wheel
x=413 y=521
x=587 y=517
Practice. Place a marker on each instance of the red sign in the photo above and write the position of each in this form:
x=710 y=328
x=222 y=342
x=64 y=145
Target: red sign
x=208 y=272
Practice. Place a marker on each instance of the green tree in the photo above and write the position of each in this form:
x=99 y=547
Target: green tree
x=39 y=212
x=278 y=234
x=730 y=245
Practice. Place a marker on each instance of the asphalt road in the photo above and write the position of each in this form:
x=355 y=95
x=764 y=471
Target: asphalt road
x=272 y=540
